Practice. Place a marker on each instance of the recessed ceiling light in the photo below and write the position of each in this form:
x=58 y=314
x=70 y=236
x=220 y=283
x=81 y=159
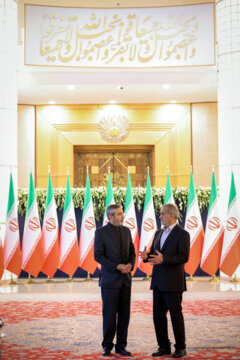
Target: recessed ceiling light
x=52 y=102
x=173 y=101
x=112 y=101
x=71 y=87
x=166 y=86
x=120 y=87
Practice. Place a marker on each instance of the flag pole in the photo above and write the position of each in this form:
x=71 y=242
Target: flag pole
x=214 y=279
x=88 y=278
x=234 y=279
x=147 y=277
x=30 y=280
x=49 y=279
x=11 y=281
x=70 y=279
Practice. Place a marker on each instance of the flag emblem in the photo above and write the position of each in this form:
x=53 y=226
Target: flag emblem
x=70 y=225
x=192 y=222
x=232 y=224
x=148 y=224
x=34 y=224
x=90 y=223
x=50 y=224
x=214 y=223
x=130 y=223
x=13 y=225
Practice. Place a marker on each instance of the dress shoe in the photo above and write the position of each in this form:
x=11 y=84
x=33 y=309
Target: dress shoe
x=179 y=353
x=123 y=351
x=162 y=352
x=106 y=352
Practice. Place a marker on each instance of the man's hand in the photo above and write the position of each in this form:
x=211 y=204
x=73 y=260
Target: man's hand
x=127 y=269
x=156 y=259
x=124 y=269
x=143 y=253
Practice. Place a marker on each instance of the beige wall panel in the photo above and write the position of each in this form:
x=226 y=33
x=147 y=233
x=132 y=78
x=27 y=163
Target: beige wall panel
x=162 y=160
x=26 y=144
x=52 y=149
x=64 y=160
x=182 y=158
x=204 y=142
x=43 y=150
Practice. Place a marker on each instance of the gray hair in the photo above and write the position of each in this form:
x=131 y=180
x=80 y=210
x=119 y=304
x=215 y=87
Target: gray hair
x=111 y=209
x=172 y=209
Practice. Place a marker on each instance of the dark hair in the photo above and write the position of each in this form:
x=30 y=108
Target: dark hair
x=111 y=209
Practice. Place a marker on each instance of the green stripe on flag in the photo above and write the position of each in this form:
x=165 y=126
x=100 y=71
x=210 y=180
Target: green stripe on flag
x=233 y=192
x=68 y=196
x=168 y=193
x=213 y=195
x=31 y=195
x=50 y=194
x=128 y=193
x=109 y=196
x=88 y=195
x=192 y=193
x=148 y=194
x=11 y=197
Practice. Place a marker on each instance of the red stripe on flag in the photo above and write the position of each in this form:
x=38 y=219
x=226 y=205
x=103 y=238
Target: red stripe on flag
x=14 y=265
x=195 y=254
x=52 y=261
x=88 y=263
x=212 y=261
x=232 y=259
x=71 y=261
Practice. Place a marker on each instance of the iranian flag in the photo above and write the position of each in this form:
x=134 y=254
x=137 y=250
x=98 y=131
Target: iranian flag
x=168 y=194
x=212 y=245
x=109 y=198
x=1 y=256
x=50 y=233
x=230 y=258
x=12 y=252
x=130 y=220
x=193 y=224
x=69 y=256
x=32 y=246
x=149 y=227
x=88 y=227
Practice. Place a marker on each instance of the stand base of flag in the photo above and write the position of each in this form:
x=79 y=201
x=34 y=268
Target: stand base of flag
x=190 y=278
x=147 y=277
x=49 y=280
x=235 y=280
x=88 y=278
x=29 y=280
x=70 y=279
x=11 y=281
x=214 y=279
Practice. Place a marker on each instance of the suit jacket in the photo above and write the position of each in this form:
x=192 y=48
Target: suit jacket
x=170 y=275
x=108 y=253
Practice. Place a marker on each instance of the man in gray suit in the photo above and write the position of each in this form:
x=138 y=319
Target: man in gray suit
x=114 y=250
x=168 y=254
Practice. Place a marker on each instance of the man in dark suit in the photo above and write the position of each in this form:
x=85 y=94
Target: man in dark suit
x=168 y=254
x=114 y=250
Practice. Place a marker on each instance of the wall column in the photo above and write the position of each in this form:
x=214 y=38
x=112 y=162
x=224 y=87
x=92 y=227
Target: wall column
x=228 y=62
x=8 y=101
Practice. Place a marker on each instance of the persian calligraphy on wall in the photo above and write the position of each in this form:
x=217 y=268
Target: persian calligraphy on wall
x=136 y=37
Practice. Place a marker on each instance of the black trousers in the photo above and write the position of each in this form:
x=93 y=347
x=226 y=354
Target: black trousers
x=162 y=303
x=116 y=316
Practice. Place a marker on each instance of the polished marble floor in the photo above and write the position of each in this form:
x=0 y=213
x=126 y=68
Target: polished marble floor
x=80 y=289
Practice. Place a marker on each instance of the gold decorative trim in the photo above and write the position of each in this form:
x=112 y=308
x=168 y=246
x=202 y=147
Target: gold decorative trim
x=95 y=127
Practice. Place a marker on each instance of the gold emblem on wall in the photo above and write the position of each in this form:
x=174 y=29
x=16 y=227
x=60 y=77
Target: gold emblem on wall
x=114 y=127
